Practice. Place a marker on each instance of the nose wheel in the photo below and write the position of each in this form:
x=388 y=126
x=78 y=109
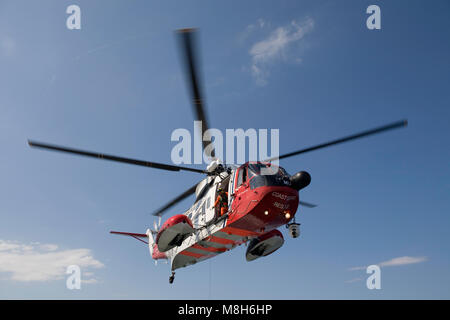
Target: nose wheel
x=172 y=277
x=294 y=229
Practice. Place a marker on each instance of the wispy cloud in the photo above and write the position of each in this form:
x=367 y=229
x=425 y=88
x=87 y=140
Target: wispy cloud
x=252 y=28
x=43 y=262
x=89 y=281
x=274 y=47
x=399 y=261
x=354 y=280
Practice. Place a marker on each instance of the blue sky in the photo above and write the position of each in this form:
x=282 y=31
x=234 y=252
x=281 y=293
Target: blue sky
x=116 y=86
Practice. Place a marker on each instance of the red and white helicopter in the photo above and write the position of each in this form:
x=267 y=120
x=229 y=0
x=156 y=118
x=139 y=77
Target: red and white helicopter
x=258 y=203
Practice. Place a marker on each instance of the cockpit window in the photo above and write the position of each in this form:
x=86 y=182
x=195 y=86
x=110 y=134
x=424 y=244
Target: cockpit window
x=255 y=169
x=279 y=177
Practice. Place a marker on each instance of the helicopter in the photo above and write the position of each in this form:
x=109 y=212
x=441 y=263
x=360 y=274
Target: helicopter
x=257 y=204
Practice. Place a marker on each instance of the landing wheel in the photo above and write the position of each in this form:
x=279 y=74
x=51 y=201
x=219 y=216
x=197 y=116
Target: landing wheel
x=294 y=229
x=172 y=277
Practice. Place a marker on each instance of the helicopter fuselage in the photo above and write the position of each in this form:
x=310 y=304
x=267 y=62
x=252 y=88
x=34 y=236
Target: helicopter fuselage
x=256 y=204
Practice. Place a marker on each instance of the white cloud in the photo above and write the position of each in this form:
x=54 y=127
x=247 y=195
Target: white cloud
x=43 y=262
x=48 y=247
x=399 y=261
x=274 y=47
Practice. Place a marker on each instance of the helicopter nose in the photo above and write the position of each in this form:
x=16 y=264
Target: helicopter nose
x=279 y=204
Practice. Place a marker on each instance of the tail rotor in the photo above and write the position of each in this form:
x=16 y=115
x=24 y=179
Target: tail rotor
x=151 y=240
x=156 y=226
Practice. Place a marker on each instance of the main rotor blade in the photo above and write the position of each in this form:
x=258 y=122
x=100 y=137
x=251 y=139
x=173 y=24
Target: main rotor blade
x=395 y=125
x=112 y=158
x=307 y=204
x=188 y=45
x=182 y=196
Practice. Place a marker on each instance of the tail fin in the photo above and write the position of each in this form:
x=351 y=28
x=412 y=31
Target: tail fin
x=154 y=252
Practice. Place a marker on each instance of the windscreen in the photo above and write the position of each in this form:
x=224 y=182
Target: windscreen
x=279 y=178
